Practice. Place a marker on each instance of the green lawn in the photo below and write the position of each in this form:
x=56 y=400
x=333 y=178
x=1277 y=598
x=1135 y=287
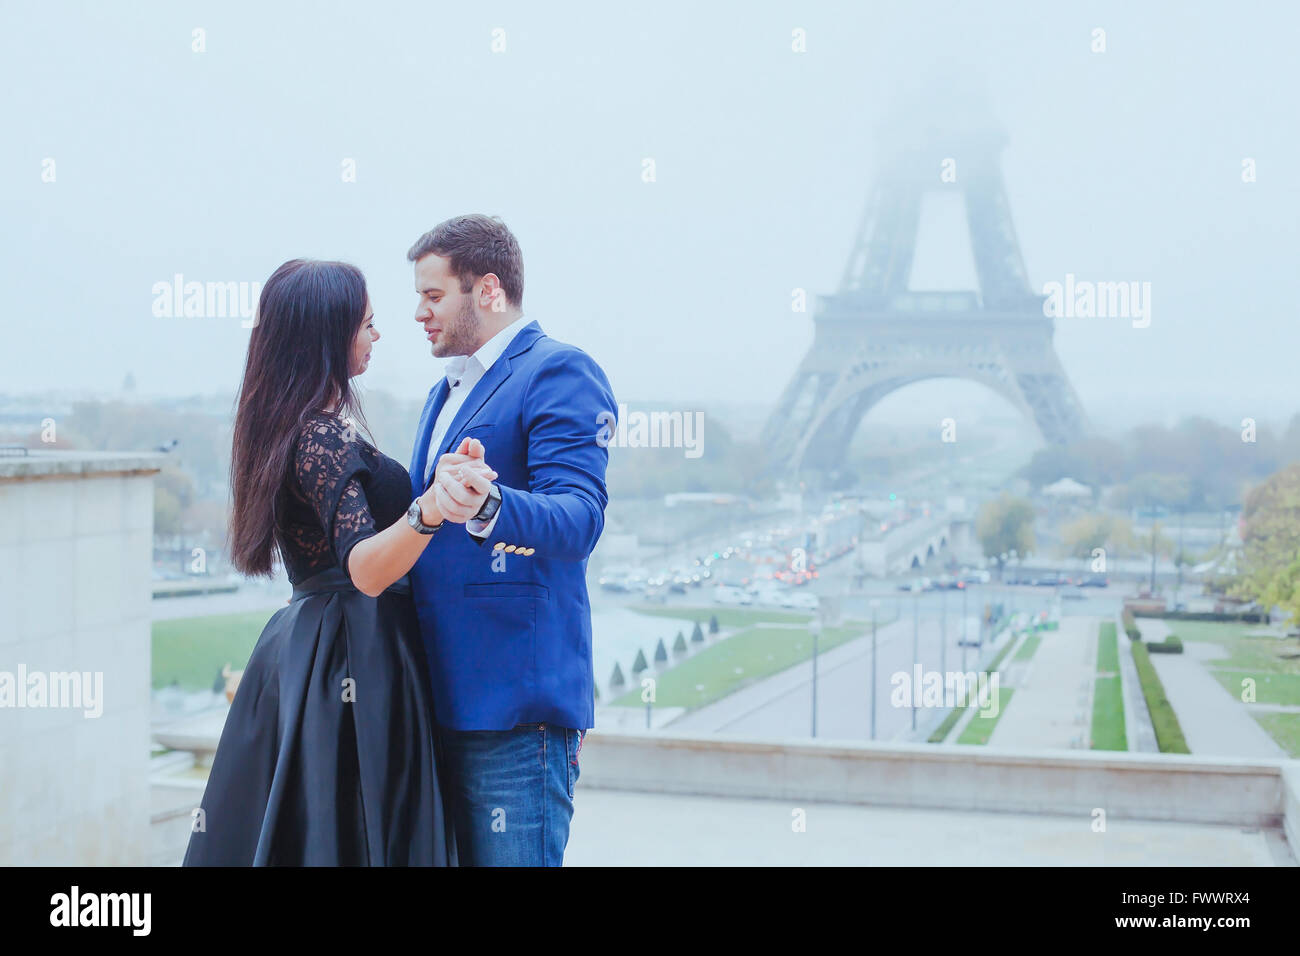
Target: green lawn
x=1107 y=649
x=1274 y=664
x=727 y=616
x=1269 y=688
x=980 y=728
x=1108 y=715
x=192 y=651
x=1250 y=654
x=745 y=657
x=1108 y=731
x=1284 y=728
x=1027 y=648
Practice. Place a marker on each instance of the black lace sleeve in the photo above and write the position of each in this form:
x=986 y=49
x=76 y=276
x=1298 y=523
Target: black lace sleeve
x=330 y=468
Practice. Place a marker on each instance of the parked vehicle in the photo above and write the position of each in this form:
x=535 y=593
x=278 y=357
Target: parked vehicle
x=725 y=594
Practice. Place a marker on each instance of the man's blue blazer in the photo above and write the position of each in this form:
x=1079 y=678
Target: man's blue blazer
x=507 y=622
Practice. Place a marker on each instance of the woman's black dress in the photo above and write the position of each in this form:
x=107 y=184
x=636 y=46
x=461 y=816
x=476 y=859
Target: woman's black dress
x=329 y=755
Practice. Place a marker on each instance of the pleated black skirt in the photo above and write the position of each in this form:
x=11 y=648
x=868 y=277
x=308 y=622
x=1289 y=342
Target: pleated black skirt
x=329 y=755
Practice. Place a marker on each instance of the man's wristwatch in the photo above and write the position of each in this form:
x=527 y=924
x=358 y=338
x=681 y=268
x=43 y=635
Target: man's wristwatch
x=491 y=505
x=415 y=518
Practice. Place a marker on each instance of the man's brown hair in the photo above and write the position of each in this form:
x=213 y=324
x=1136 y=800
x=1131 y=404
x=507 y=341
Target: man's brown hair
x=476 y=245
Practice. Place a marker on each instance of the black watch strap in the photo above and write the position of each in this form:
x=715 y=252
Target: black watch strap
x=491 y=505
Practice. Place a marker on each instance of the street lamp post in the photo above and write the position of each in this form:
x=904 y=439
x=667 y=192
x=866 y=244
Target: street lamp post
x=875 y=603
x=943 y=634
x=916 y=644
x=815 y=628
x=964 y=592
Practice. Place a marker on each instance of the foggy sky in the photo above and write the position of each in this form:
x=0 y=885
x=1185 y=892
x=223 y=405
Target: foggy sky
x=220 y=165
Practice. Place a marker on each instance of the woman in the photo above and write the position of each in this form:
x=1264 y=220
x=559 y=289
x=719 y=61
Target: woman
x=328 y=755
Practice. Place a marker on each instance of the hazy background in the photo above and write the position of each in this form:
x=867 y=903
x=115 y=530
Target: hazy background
x=220 y=165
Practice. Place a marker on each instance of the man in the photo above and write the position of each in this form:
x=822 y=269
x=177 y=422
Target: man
x=503 y=605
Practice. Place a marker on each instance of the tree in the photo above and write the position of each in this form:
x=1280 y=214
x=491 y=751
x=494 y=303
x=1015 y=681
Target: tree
x=1271 y=542
x=1151 y=490
x=173 y=493
x=1085 y=535
x=1003 y=525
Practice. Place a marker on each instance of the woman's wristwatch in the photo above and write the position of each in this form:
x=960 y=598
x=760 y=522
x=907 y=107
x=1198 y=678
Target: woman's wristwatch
x=415 y=518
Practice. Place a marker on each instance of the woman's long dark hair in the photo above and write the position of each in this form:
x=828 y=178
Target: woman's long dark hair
x=298 y=365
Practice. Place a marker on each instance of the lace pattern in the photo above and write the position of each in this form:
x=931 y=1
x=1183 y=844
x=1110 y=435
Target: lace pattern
x=331 y=466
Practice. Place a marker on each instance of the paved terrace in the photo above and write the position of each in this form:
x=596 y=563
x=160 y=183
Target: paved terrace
x=648 y=799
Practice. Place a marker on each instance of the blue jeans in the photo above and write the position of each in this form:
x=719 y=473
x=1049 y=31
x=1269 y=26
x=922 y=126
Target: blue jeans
x=511 y=792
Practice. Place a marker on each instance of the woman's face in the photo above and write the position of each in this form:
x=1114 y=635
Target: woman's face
x=367 y=336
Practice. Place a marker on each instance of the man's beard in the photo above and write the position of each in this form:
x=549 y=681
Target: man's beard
x=461 y=337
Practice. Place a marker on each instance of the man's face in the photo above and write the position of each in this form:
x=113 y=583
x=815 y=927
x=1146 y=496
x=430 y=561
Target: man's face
x=452 y=325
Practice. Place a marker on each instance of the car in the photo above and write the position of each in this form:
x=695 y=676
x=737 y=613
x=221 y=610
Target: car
x=1094 y=581
x=800 y=600
x=725 y=594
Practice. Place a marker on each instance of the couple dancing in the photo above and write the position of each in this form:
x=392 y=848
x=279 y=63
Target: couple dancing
x=423 y=698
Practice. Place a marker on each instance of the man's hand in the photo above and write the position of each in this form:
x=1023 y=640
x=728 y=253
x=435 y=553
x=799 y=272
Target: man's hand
x=461 y=481
x=471 y=449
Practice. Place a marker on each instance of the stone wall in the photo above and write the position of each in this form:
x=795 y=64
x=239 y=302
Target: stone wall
x=76 y=535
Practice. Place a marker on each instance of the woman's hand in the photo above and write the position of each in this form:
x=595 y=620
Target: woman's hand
x=469 y=476
x=460 y=490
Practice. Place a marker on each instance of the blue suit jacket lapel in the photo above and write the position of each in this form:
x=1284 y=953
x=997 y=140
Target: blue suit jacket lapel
x=419 y=457
x=489 y=383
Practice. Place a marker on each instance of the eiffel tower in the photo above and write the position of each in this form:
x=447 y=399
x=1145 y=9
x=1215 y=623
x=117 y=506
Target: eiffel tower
x=874 y=336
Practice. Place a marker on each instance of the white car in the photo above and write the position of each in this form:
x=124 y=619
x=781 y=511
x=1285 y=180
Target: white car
x=800 y=600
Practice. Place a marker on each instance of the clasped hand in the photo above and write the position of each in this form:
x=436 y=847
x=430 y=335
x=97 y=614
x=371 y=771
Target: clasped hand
x=461 y=482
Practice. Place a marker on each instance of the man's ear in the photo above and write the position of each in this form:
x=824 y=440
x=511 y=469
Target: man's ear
x=492 y=291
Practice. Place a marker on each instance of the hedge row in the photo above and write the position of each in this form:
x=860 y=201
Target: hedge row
x=1245 y=617
x=1130 y=625
x=1170 y=645
x=1169 y=735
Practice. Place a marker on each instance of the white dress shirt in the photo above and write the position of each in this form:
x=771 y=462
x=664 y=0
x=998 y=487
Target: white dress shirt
x=463 y=373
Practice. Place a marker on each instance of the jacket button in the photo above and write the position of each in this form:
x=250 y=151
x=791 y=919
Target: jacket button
x=528 y=550
x=509 y=548
x=498 y=546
